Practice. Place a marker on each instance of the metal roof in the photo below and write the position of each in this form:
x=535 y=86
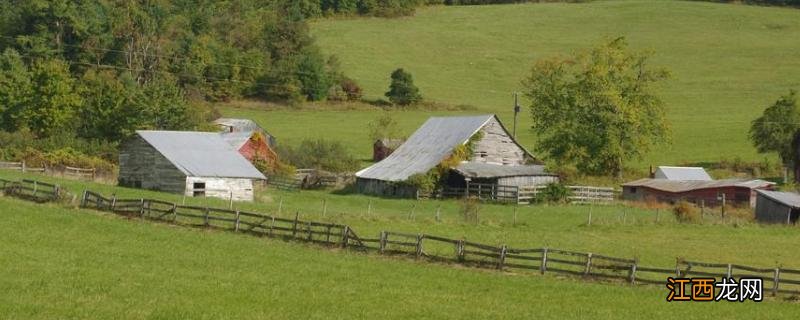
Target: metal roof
x=201 y=154
x=790 y=199
x=426 y=148
x=487 y=170
x=682 y=173
x=691 y=185
x=237 y=139
x=238 y=124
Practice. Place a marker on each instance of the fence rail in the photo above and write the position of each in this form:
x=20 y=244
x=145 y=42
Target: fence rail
x=527 y=194
x=20 y=166
x=436 y=248
x=31 y=190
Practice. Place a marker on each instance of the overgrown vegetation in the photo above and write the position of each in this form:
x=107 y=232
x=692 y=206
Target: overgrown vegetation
x=778 y=129
x=553 y=193
x=427 y=182
x=319 y=154
x=686 y=212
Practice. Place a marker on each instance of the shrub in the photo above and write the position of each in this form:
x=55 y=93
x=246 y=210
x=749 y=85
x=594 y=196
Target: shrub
x=469 y=208
x=424 y=182
x=686 y=212
x=402 y=90
x=554 y=192
x=351 y=89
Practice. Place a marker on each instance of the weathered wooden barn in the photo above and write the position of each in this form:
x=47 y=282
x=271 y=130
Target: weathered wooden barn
x=682 y=173
x=736 y=191
x=434 y=142
x=777 y=207
x=190 y=163
x=492 y=174
x=382 y=148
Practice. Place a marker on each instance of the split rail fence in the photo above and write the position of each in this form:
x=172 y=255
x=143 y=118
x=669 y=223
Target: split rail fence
x=80 y=173
x=437 y=248
x=419 y=246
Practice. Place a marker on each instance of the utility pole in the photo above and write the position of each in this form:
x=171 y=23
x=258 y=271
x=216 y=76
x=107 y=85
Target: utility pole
x=516 y=112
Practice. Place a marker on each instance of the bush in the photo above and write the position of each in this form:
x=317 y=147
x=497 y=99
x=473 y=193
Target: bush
x=554 y=193
x=319 y=154
x=469 y=208
x=424 y=182
x=402 y=90
x=686 y=212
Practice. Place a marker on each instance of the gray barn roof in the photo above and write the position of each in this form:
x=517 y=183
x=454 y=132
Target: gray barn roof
x=238 y=124
x=790 y=199
x=237 y=139
x=691 y=185
x=201 y=154
x=487 y=170
x=682 y=173
x=426 y=148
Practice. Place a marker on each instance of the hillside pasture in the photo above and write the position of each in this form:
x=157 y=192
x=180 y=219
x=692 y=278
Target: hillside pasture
x=728 y=62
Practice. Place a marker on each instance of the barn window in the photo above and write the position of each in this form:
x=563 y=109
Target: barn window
x=199 y=189
x=633 y=189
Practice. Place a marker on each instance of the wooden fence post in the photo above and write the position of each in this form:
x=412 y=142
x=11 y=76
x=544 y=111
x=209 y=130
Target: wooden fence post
x=413 y=209
x=543 y=266
x=678 y=268
x=294 y=224
x=83 y=199
x=324 y=206
x=776 y=280
x=345 y=236
x=516 y=207
x=23 y=166
x=141 y=207
x=588 y=269
x=460 y=250
x=272 y=227
x=206 y=217
x=658 y=214
x=280 y=206
x=308 y=229
x=35 y=187
x=382 y=243
x=236 y=226
x=438 y=213
x=418 y=247
x=174 y=213
x=113 y=202
x=501 y=261
x=632 y=272
x=369 y=208
x=728 y=274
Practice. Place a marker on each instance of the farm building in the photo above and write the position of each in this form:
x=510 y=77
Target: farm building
x=682 y=173
x=435 y=141
x=232 y=125
x=190 y=163
x=777 y=207
x=384 y=147
x=737 y=191
x=252 y=145
x=514 y=175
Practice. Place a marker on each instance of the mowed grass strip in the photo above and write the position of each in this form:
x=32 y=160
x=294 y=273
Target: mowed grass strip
x=80 y=264
x=616 y=230
x=728 y=63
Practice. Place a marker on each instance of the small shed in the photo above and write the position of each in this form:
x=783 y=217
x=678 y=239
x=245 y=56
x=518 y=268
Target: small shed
x=682 y=173
x=777 y=207
x=233 y=125
x=382 y=148
x=736 y=191
x=189 y=163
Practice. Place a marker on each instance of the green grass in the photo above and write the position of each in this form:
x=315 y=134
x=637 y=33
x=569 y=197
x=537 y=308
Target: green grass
x=556 y=226
x=728 y=63
x=62 y=263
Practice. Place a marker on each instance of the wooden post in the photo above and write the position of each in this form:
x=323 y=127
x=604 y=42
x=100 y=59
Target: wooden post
x=702 y=209
x=174 y=213
x=23 y=166
x=230 y=203
x=328 y=234
x=776 y=280
x=369 y=208
x=632 y=272
x=418 y=247
x=589 y=220
x=308 y=229
x=324 y=206
x=728 y=274
x=382 y=242
x=35 y=187
x=678 y=268
x=294 y=224
x=588 y=269
x=141 y=207
x=658 y=214
x=280 y=206
x=413 y=209
x=501 y=261
x=543 y=266
x=113 y=202
x=723 y=206
x=460 y=250
x=206 y=216
x=624 y=216
x=83 y=199
x=345 y=236
x=438 y=213
x=515 y=214
x=236 y=226
x=272 y=227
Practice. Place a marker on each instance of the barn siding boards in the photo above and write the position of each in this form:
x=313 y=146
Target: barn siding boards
x=142 y=166
x=225 y=188
x=496 y=146
x=521 y=181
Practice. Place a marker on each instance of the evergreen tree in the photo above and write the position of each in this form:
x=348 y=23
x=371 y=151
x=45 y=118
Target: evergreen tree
x=402 y=90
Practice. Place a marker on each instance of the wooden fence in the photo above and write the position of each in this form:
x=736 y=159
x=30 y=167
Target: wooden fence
x=31 y=190
x=80 y=173
x=20 y=166
x=528 y=194
x=284 y=183
x=420 y=246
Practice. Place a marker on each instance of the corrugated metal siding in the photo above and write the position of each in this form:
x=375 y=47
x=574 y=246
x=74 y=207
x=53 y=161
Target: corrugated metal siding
x=771 y=211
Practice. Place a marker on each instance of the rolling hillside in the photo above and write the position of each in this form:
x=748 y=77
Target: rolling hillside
x=728 y=62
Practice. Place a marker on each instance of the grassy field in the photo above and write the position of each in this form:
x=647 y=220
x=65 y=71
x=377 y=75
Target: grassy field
x=616 y=230
x=728 y=63
x=79 y=264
